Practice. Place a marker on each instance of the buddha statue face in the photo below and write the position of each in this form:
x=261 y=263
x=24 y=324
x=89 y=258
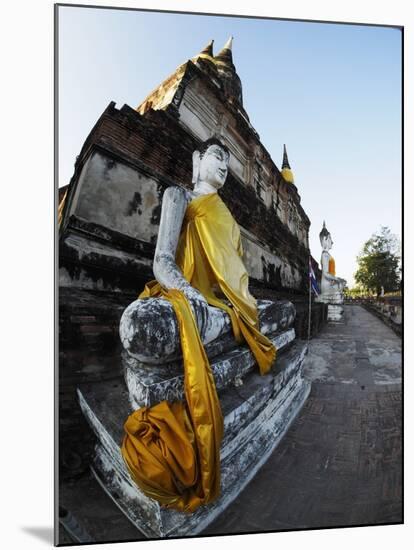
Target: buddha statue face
x=211 y=164
x=325 y=238
x=327 y=242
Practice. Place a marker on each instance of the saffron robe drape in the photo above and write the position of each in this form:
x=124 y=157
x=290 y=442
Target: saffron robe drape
x=172 y=450
x=331 y=267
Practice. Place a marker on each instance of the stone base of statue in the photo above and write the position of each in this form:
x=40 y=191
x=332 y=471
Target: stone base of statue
x=335 y=306
x=335 y=313
x=257 y=411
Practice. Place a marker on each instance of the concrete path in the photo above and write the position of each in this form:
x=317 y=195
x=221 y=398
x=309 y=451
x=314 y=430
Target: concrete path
x=340 y=463
x=363 y=351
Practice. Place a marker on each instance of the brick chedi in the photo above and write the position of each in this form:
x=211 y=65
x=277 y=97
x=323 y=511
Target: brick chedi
x=111 y=214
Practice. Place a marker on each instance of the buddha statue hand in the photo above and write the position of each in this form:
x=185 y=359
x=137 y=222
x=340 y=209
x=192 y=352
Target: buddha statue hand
x=149 y=330
x=199 y=306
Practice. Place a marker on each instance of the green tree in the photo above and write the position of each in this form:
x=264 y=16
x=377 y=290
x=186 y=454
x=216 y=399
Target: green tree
x=356 y=291
x=378 y=263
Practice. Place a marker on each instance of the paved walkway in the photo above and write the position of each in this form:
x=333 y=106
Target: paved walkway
x=339 y=464
x=341 y=461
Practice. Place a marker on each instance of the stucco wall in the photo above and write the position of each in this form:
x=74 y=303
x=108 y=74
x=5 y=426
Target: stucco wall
x=119 y=197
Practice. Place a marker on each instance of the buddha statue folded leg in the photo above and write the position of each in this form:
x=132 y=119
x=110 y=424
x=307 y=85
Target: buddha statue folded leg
x=149 y=329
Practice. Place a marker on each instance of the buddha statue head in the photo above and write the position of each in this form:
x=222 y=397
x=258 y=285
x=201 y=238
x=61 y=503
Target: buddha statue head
x=210 y=163
x=325 y=238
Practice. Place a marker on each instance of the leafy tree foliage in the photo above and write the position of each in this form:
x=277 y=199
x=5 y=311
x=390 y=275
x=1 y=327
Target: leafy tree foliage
x=355 y=291
x=378 y=263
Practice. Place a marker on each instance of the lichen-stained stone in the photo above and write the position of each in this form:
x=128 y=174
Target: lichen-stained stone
x=150 y=384
x=256 y=416
x=118 y=197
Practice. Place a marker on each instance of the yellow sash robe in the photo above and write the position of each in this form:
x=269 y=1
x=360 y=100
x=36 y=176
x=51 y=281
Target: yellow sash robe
x=172 y=450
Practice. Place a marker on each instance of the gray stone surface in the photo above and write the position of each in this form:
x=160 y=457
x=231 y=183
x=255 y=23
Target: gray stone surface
x=117 y=196
x=335 y=313
x=340 y=464
x=364 y=352
x=389 y=310
x=256 y=416
x=148 y=385
x=149 y=329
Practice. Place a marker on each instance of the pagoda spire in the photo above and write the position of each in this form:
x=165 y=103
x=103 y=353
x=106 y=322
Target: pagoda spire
x=229 y=44
x=285 y=163
x=208 y=50
x=227 y=72
x=225 y=55
x=286 y=170
x=206 y=53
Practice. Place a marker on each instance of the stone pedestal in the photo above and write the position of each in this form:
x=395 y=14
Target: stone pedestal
x=335 y=313
x=149 y=385
x=257 y=412
x=335 y=306
x=256 y=416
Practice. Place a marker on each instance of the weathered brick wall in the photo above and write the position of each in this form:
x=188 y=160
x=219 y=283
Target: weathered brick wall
x=156 y=144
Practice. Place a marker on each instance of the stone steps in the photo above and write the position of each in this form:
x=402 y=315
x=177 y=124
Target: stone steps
x=256 y=416
x=150 y=384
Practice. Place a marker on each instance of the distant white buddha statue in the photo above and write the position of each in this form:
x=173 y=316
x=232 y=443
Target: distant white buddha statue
x=331 y=286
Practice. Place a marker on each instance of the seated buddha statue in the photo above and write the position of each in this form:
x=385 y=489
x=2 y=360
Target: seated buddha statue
x=172 y=450
x=331 y=285
x=148 y=328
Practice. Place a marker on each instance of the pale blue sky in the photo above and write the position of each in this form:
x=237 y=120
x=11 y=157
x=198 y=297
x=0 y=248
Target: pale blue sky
x=331 y=92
